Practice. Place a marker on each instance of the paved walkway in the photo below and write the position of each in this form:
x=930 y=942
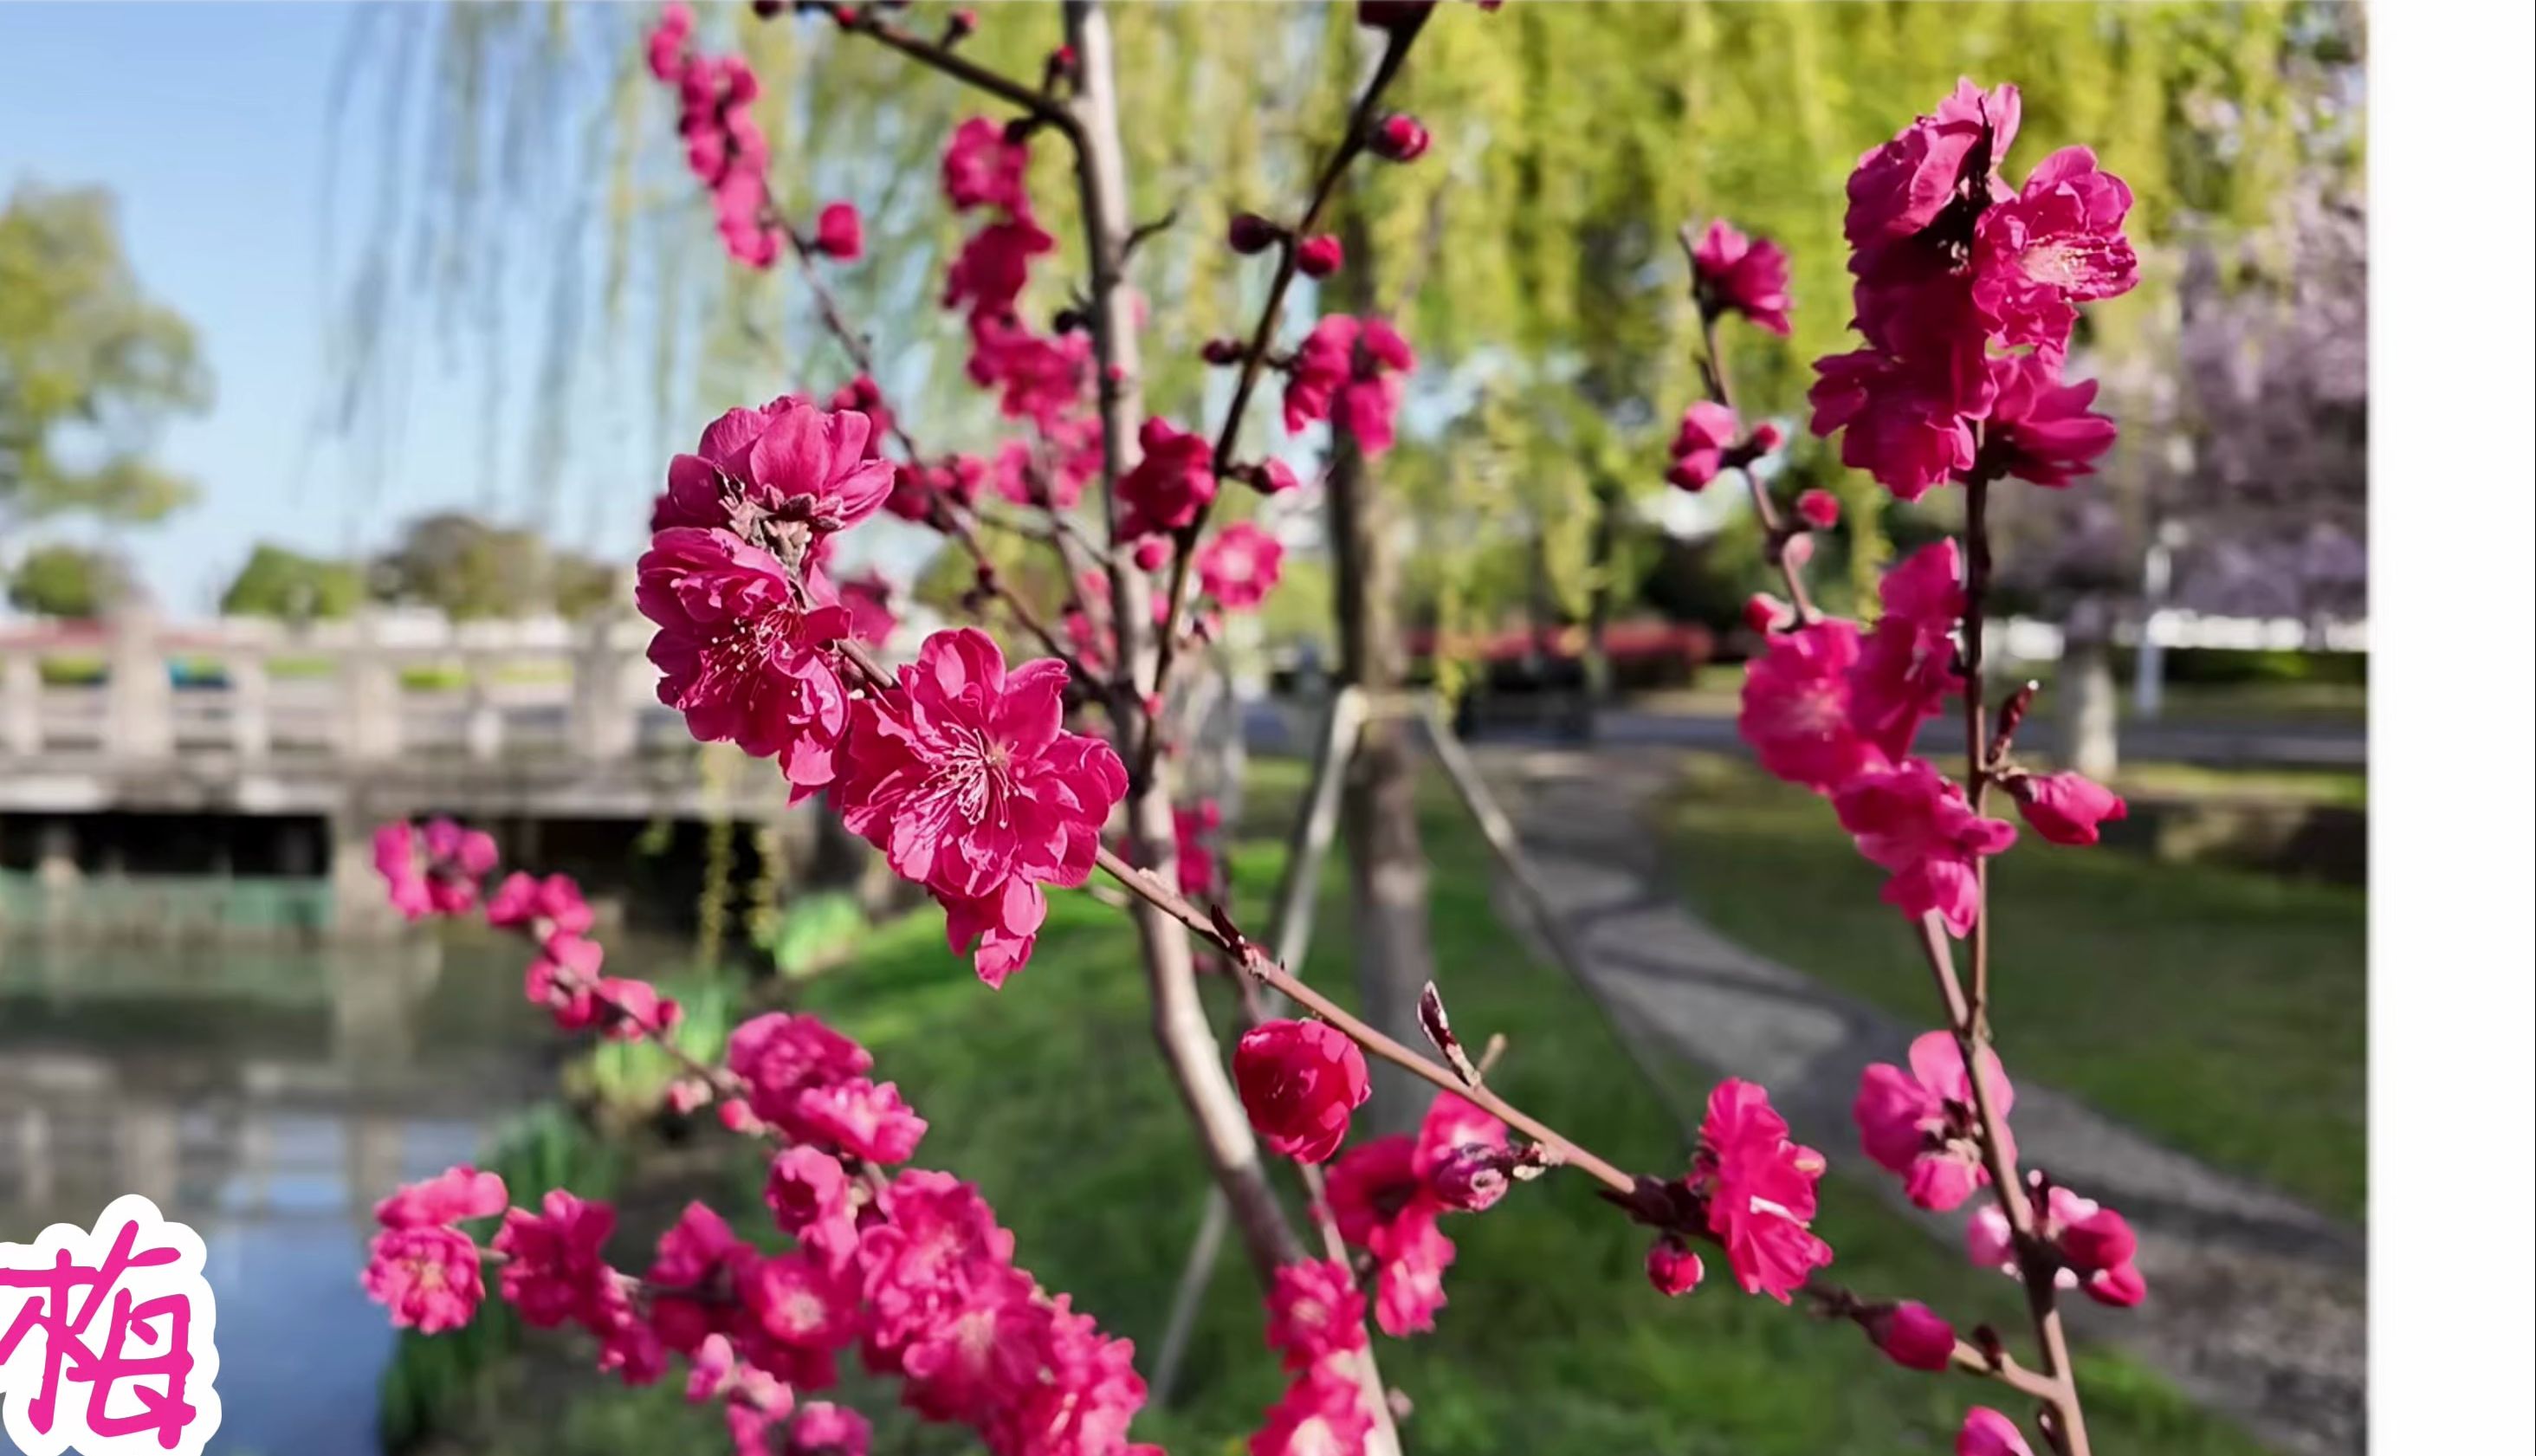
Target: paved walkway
x=2257 y=1304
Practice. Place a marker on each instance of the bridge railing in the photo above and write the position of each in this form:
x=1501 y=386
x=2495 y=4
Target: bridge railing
x=379 y=686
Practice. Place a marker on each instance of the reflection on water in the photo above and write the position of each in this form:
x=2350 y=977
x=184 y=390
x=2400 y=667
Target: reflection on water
x=268 y=1097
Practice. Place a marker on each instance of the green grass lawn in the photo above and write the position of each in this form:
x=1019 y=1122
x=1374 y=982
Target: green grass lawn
x=1044 y=1094
x=2220 y=1010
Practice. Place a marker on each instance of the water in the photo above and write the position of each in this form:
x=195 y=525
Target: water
x=268 y=1097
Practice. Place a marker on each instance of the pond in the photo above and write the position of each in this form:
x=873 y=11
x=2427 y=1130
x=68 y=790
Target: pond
x=268 y=1096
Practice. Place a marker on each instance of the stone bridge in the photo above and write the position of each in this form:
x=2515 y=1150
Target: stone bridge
x=346 y=725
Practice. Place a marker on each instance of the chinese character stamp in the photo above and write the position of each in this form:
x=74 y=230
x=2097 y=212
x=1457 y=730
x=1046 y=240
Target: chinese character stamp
x=105 y=1338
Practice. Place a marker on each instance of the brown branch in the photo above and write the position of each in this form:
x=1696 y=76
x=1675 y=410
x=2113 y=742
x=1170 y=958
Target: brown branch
x=1255 y=356
x=1775 y=532
x=866 y=20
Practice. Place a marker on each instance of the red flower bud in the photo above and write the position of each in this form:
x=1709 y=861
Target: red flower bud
x=1913 y=1335
x=1399 y=138
x=2102 y=1239
x=2065 y=808
x=1672 y=1268
x=1300 y=1081
x=1472 y=1177
x=1252 y=233
x=1223 y=352
x=1767 y=437
x=1152 y=552
x=1320 y=255
x=2122 y=1285
x=1766 y=614
x=1271 y=477
x=963 y=23
x=1820 y=508
x=841 y=231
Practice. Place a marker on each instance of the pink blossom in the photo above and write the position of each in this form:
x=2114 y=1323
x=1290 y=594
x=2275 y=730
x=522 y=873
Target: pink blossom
x=2057 y=243
x=1238 y=568
x=738 y=654
x=804 y=1185
x=1913 y=1335
x=1299 y=1082
x=1320 y=255
x=1760 y=1190
x=1915 y=824
x=1920 y=1123
x=521 y=901
x=797 y=1305
x=1819 y=509
x=2119 y=1287
x=1315 y=1311
x=1899 y=420
x=430 y=1278
x=1321 y=1414
x=1173 y=481
x=1382 y=1195
x=869 y=1120
x=1270 y=476
x=1987 y=1432
x=1945 y=160
x=666 y=47
x=1708 y=430
x=434 y=870
x=1906 y=667
x=867 y=601
x=710 y=1369
x=1038 y=379
x=2102 y=1239
x=450 y=1197
x=2065 y=808
x=553 y=1271
x=993 y=266
x=785 y=461
x=841 y=231
x=1190 y=828
x=819 y=1428
x=1347 y=371
x=983 y=169
x=2041 y=429
x=1796 y=708
x=1398 y=138
x=1736 y=274
x=1672 y=1268
x=965 y=778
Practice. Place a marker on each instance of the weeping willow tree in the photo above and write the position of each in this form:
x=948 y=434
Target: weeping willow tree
x=525 y=155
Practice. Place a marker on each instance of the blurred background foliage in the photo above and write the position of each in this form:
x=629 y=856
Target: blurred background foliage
x=1532 y=255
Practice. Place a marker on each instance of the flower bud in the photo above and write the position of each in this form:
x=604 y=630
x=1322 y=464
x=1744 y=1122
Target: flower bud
x=1797 y=550
x=1320 y=255
x=2067 y=808
x=1399 y=138
x=841 y=231
x=1472 y=1177
x=1766 y=614
x=1913 y=1336
x=964 y=24
x=2102 y=1239
x=1300 y=1081
x=1672 y=1268
x=1222 y=351
x=1820 y=508
x=1271 y=477
x=1152 y=552
x=1252 y=233
x=2121 y=1287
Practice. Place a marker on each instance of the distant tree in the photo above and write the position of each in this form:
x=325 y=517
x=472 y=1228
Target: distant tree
x=472 y=568
x=59 y=580
x=89 y=366
x=277 y=582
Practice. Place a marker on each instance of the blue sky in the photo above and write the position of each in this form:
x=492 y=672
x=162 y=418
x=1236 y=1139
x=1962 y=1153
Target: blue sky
x=208 y=122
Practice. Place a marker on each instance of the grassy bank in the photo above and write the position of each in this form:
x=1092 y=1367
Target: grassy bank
x=1045 y=1096
x=2224 y=1011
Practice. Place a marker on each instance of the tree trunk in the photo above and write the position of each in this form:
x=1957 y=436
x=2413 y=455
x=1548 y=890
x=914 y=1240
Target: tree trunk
x=2090 y=702
x=1182 y=1031
x=1602 y=592
x=1386 y=864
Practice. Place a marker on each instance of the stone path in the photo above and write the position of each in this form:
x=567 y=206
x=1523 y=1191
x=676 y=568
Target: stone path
x=2258 y=1304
